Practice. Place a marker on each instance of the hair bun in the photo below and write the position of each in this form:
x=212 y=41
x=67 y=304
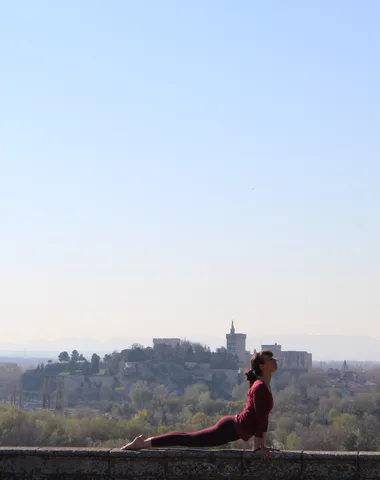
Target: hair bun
x=251 y=376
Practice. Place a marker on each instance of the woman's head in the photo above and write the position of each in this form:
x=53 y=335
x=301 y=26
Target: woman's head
x=262 y=363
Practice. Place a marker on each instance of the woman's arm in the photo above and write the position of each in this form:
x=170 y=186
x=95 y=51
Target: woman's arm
x=261 y=402
x=259 y=442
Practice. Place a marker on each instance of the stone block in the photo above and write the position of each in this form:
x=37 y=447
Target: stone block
x=282 y=466
x=137 y=464
x=75 y=462
x=330 y=465
x=228 y=462
x=176 y=464
x=19 y=462
x=50 y=463
x=203 y=464
x=369 y=465
x=183 y=463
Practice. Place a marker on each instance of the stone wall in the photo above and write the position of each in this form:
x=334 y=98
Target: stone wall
x=104 y=464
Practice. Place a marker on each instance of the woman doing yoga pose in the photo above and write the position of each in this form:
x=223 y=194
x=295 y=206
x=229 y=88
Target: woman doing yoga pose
x=251 y=422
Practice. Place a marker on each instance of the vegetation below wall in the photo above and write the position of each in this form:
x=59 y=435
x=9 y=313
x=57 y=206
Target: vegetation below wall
x=309 y=417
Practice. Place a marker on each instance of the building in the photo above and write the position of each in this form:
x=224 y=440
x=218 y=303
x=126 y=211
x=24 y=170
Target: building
x=275 y=349
x=310 y=361
x=236 y=345
x=247 y=362
x=290 y=359
x=295 y=360
x=170 y=342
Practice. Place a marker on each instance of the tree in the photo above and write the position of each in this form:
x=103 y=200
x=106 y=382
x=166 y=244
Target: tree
x=239 y=392
x=189 y=355
x=74 y=356
x=86 y=368
x=292 y=441
x=140 y=395
x=64 y=357
x=95 y=364
x=201 y=354
x=135 y=354
x=192 y=394
x=200 y=420
x=112 y=362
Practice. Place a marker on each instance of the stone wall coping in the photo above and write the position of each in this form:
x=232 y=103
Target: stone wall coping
x=183 y=452
x=53 y=463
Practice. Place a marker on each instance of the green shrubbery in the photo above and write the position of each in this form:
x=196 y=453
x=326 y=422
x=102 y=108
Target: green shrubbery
x=302 y=419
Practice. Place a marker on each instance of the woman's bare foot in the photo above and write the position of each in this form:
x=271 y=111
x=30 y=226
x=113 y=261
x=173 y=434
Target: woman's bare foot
x=137 y=444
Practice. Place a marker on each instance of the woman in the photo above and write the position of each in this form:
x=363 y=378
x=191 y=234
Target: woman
x=251 y=422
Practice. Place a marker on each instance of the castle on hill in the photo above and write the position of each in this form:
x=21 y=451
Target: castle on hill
x=292 y=360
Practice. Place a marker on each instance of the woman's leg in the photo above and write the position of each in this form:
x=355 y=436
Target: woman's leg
x=222 y=432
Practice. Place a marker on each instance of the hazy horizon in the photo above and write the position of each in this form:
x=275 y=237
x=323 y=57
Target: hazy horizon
x=323 y=347
x=166 y=167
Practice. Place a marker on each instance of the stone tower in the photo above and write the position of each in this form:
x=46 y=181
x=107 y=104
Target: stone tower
x=236 y=344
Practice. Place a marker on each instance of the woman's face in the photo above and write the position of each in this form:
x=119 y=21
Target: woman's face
x=269 y=365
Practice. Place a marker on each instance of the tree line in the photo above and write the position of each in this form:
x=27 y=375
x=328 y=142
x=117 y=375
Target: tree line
x=185 y=352
x=309 y=416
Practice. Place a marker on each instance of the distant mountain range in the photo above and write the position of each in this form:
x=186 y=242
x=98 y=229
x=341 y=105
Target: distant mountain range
x=323 y=347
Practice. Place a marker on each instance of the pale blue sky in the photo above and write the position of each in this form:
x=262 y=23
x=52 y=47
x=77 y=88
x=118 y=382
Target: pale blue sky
x=168 y=165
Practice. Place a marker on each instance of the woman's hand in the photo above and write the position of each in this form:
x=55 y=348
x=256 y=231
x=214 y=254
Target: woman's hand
x=264 y=452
